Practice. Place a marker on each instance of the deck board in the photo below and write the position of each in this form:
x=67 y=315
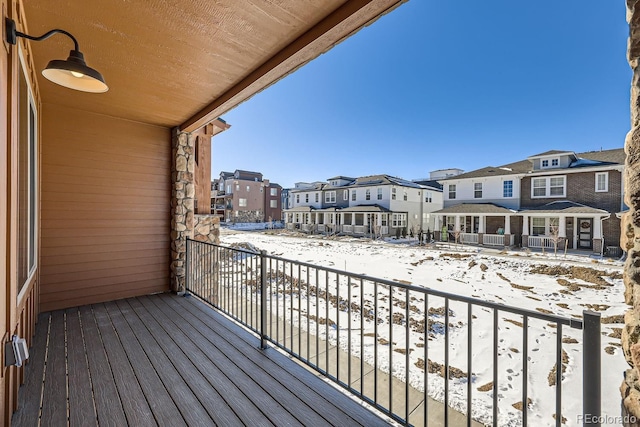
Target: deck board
x=54 y=399
x=81 y=408
x=156 y=392
x=185 y=400
x=108 y=407
x=325 y=412
x=168 y=360
x=30 y=409
x=134 y=403
x=214 y=403
x=283 y=371
x=240 y=389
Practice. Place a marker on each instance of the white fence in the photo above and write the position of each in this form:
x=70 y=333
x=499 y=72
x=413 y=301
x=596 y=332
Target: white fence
x=541 y=242
x=469 y=238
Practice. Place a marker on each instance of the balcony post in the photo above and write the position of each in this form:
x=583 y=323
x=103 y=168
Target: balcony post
x=591 y=365
x=263 y=299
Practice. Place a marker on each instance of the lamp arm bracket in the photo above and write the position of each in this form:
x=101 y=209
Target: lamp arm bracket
x=12 y=34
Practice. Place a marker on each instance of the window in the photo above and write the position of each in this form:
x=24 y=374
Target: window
x=556 y=186
x=404 y=195
x=273 y=203
x=477 y=190
x=330 y=197
x=548 y=187
x=317 y=197
x=550 y=163
x=602 y=182
x=452 y=191
x=367 y=195
x=539 y=187
x=507 y=189
x=537 y=226
x=297 y=198
x=261 y=189
x=379 y=193
x=242 y=203
x=353 y=195
x=27 y=178
x=393 y=194
x=306 y=198
x=383 y=222
x=398 y=220
x=229 y=189
x=237 y=187
x=428 y=197
x=273 y=191
x=345 y=195
x=248 y=188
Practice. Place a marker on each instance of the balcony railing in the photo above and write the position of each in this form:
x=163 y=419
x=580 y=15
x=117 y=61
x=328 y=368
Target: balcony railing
x=469 y=238
x=541 y=242
x=497 y=240
x=355 y=329
x=347 y=228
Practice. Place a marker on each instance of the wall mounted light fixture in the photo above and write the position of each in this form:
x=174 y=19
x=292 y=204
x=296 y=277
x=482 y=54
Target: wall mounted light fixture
x=72 y=73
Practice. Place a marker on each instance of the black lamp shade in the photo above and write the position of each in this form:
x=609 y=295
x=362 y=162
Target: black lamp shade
x=75 y=74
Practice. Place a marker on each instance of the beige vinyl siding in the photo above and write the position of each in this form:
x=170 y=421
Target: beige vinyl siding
x=105 y=208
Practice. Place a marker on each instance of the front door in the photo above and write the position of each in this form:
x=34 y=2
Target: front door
x=585 y=233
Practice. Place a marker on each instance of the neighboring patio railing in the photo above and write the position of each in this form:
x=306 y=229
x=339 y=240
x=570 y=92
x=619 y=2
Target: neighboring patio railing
x=494 y=240
x=355 y=329
x=347 y=228
x=469 y=238
x=540 y=242
x=359 y=229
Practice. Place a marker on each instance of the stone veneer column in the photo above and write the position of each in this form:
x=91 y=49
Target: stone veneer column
x=182 y=195
x=630 y=230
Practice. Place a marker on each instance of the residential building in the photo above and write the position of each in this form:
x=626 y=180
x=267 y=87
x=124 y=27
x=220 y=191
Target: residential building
x=379 y=204
x=272 y=201
x=244 y=196
x=552 y=198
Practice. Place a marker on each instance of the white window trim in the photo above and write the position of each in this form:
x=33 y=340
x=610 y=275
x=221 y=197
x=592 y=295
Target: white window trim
x=477 y=187
x=242 y=202
x=345 y=194
x=330 y=197
x=379 y=197
x=452 y=188
x=550 y=164
x=31 y=269
x=547 y=193
x=503 y=188
x=606 y=182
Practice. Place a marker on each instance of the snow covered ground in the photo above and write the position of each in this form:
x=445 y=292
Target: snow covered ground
x=560 y=285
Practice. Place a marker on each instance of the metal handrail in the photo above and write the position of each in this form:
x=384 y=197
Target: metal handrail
x=231 y=276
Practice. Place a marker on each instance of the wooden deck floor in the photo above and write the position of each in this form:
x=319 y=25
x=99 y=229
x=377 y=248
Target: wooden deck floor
x=168 y=360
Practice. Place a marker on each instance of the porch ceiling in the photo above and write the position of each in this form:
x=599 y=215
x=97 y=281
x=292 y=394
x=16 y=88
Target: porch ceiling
x=186 y=62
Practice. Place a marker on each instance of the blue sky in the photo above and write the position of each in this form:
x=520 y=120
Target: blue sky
x=438 y=84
